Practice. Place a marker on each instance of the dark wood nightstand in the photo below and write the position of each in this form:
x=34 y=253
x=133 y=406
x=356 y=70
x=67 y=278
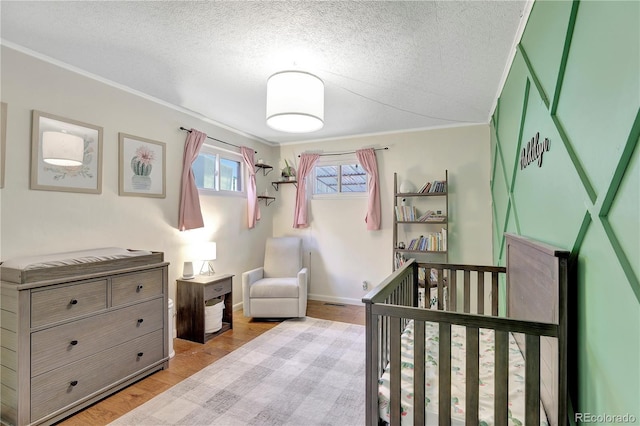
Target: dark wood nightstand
x=191 y=297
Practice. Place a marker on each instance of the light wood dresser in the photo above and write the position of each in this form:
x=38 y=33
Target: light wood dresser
x=73 y=334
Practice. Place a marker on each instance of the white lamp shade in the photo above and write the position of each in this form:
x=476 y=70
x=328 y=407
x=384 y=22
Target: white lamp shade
x=295 y=102
x=62 y=149
x=208 y=251
x=204 y=250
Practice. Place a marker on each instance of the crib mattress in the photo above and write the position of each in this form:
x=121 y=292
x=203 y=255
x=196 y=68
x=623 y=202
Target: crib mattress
x=487 y=357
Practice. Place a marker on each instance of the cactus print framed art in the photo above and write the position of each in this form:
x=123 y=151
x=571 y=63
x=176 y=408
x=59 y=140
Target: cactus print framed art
x=66 y=155
x=142 y=167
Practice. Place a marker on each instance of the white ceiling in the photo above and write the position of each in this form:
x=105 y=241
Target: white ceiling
x=387 y=66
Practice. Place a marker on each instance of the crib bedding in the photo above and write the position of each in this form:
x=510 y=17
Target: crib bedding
x=487 y=357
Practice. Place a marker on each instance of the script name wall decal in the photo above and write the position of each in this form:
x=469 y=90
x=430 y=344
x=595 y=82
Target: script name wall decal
x=534 y=151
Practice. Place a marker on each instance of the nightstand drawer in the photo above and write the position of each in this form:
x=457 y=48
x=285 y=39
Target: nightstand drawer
x=217 y=289
x=60 y=303
x=63 y=386
x=57 y=346
x=133 y=287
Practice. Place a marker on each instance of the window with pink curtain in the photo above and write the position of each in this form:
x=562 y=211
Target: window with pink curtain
x=307 y=161
x=367 y=159
x=190 y=216
x=253 y=209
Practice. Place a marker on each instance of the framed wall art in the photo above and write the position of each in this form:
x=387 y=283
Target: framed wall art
x=142 y=167
x=66 y=155
x=3 y=140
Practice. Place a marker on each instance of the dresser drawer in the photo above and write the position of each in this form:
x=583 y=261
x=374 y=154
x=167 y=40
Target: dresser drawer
x=217 y=289
x=66 y=385
x=57 y=346
x=138 y=286
x=60 y=303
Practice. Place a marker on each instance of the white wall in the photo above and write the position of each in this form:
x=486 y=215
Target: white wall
x=36 y=222
x=341 y=253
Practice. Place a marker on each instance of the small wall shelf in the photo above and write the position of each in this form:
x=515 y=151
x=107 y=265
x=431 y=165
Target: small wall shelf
x=268 y=200
x=266 y=169
x=276 y=183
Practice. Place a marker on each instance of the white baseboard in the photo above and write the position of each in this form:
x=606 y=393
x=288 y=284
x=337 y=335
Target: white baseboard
x=332 y=299
x=320 y=298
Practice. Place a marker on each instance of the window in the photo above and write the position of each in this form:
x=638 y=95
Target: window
x=218 y=171
x=339 y=178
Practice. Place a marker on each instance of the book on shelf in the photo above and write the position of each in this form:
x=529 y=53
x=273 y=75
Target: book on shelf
x=436 y=218
x=410 y=214
x=406 y=213
x=444 y=239
x=433 y=187
x=431 y=216
x=425 y=188
x=435 y=241
x=400 y=260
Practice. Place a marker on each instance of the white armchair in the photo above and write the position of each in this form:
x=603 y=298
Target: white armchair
x=279 y=288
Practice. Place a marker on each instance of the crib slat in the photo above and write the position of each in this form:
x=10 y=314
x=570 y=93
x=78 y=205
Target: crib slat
x=384 y=359
x=467 y=291
x=406 y=289
x=372 y=347
x=444 y=383
x=394 y=366
x=494 y=294
x=419 y=374
x=532 y=380
x=501 y=391
x=453 y=292
x=480 y=293
x=472 y=375
x=440 y=290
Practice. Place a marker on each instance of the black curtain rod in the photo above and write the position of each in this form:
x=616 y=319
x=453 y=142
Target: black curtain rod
x=217 y=140
x=348 y=152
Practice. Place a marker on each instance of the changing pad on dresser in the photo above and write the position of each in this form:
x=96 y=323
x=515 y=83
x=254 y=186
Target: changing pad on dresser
x=50 y=266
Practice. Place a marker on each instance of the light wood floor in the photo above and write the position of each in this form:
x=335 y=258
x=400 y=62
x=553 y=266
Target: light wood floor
x=192 y=357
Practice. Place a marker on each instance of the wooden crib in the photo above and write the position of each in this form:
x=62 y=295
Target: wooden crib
x=536 y=300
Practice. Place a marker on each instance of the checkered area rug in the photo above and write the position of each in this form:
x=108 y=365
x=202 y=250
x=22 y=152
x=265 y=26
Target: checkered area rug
x=303 y=372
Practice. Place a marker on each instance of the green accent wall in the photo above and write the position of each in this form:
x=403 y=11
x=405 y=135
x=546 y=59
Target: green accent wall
x=575 y=80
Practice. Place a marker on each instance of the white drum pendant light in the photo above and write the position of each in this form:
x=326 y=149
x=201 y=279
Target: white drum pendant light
x=62 y=149
x=295 y=102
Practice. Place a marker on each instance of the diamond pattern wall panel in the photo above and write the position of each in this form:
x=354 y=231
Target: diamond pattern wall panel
x=542 y=204
x=548 y=24
x=511 y=110
x=500 y=198
x=622 y=222
x=578 y=69
x=599 y=97
x=607 y=327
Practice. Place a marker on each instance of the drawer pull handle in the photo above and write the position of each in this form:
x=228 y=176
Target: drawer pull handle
x=140 y=354
x=218 y=288
x=73 y=302
x=140 y=320
x=73 y=383
x=139 y=288
x=74 y=342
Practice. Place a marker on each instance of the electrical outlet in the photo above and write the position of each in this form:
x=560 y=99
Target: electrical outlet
x=365 y=285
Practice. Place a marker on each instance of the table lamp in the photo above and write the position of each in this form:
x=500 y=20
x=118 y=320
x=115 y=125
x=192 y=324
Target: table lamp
x=207 y=252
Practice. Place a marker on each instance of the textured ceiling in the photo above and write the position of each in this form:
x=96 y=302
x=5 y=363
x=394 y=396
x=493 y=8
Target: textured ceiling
x=387 y=66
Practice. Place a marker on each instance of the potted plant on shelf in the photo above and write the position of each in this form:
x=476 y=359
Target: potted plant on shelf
x=288 y=173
